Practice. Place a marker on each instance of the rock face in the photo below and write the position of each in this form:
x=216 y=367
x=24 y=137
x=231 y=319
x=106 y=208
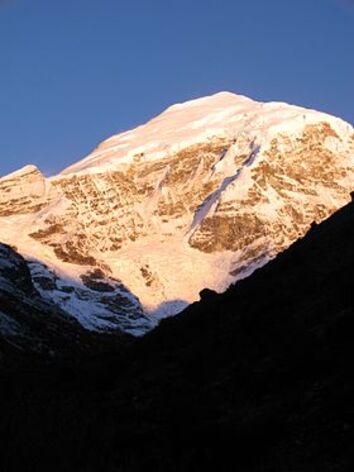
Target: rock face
x=198 y=197
x=24 y=192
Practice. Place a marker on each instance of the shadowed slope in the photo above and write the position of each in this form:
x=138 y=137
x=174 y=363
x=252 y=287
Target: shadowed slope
x=32 y=326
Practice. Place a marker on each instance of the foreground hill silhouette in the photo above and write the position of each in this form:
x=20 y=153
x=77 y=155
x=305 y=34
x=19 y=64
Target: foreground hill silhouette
x=257 y=379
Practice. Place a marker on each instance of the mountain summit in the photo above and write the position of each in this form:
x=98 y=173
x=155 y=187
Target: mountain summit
x=200 y=196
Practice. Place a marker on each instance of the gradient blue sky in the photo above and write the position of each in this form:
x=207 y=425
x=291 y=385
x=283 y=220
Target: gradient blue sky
x=74 y=72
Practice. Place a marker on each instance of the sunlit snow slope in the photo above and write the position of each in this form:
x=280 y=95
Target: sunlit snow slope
x=198 y=197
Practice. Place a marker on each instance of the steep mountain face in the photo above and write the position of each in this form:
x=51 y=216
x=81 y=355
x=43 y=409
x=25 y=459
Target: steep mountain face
x=198 y=197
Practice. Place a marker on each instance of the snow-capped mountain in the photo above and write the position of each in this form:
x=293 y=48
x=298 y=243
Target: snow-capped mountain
x=198 y=197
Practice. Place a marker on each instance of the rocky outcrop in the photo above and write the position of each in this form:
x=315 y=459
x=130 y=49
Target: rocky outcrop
x=24 y=192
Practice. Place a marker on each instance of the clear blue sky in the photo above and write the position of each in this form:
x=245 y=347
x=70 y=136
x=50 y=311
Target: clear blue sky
x=74 y=72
